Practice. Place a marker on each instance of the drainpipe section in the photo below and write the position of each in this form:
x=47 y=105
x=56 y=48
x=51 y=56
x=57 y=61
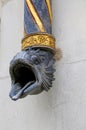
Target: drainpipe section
x=32 y=69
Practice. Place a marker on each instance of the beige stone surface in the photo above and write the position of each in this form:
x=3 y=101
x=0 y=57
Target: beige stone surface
x=0 y=19
x=4 y=2
x=33 y=112
x=69 y=29
x=64 y=106
x=12 y=33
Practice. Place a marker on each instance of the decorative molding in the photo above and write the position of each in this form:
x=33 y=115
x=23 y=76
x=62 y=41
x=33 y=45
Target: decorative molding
x=38 y=39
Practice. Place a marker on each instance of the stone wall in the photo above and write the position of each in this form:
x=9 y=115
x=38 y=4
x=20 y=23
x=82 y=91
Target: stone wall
x=64 y=106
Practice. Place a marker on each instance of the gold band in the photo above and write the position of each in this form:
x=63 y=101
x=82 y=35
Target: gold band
x=41 y=39
x=49 y=9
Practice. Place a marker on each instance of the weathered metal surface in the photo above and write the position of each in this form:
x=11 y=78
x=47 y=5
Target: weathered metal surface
x=32 y=69
x=31 y=72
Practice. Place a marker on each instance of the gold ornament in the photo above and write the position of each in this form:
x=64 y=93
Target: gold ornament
x=41 y=39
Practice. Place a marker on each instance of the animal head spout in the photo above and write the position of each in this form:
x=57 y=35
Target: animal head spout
x=31 y=72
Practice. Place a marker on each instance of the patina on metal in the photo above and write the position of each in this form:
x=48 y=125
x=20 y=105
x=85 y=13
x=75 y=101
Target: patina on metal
x=32 y=69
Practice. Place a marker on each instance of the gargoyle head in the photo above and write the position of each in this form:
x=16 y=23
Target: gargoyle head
x=31 y=72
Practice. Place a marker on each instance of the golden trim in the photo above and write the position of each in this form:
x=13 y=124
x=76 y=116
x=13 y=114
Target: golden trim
x=35 y=15
x=49 y=9
x=45 y=40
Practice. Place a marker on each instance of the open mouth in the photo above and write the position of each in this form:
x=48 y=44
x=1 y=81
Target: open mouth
x=24 y=78
x=23 y=74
